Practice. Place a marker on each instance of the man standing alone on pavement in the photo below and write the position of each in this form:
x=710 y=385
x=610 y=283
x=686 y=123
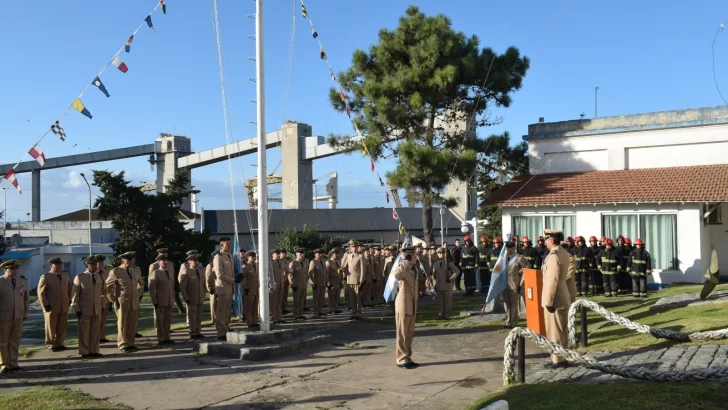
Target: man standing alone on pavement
x=54 y=294
x=405 y=307
x=555 y=296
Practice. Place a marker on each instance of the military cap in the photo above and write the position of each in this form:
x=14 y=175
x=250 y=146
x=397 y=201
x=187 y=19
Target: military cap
x=352 y=242
x=335 y=250
x=215 y=252
x=318 y=250
x=301 y=250
x=193 y=257
x=162 y=250
x=128 y=255
x=162 y=257
x=370 y=246
x=250 y=253
x=442 y=250
x=409 y=249
x=193 y=252
x=89 y=260
x=419 y=245
x=388 y=248
x=553 y=233
x=224 y=239
x=275 y=251
x=100 y=258
x=10 y=263
x=55 y=260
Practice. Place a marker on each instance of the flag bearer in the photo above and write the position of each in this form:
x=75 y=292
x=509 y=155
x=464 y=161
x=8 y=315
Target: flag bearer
x=514 y=279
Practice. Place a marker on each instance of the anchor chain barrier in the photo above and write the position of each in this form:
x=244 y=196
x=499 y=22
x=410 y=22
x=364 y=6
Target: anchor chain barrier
x=591 y=363
x=640 y=328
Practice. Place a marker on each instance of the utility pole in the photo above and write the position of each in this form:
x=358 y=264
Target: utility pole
x=595 y=101
x=442 y=223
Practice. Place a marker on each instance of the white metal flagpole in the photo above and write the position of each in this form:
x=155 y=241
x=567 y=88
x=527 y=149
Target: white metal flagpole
x=262 y=177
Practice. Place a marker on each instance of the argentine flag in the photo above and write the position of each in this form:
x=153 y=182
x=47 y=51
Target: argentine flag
x=392 y=286
x=237 y=303
x=498 y=278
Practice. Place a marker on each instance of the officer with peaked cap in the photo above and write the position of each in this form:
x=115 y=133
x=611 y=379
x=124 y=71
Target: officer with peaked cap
x=299 y=280
x=555 y=297
x=276 y=293
x=334 y=275
x=224 y=284
x=210 y=284
x=251 y=284
x=192 y=286
x=355 y=268
x=14 y=304
x=124 y=288
x=105 y=305
x=161 y=290
x=317 y=274
x=54 y=295
x=405 y=307
x=88 y=288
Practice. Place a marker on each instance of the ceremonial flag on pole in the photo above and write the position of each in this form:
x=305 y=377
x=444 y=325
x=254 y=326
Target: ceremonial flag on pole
x=304 y=13
x=127 y=45
x=97 y=82
x=313 y=32
x=78 y=105
x=37 y=153
x=119 y=64
x=394 y=211
x=149 y=22
x=498 y=278
x=10 y=176
x=164 y=6
x=323 y=53
x=58 y=130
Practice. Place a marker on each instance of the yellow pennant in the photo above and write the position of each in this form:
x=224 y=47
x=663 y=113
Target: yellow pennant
x=78 y=105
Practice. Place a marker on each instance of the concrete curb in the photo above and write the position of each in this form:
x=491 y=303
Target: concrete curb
x=259 y=353
x=499 y=405
x=259 y=338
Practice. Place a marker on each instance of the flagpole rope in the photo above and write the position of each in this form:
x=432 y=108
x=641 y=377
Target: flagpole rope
x=289 y=68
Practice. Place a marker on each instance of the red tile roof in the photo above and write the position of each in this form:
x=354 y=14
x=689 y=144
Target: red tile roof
x=679 y=184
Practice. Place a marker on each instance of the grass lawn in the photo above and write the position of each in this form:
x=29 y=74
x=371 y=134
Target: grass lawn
x=53 y=398
x=607 y=336
x=617 y=396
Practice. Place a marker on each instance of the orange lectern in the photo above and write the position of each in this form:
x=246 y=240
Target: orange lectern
x=533 y=283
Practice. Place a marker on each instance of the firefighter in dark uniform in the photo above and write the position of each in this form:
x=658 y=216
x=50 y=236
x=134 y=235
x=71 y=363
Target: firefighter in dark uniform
x=529 y=253
x=483 y=265
x=541 y=249
x=468 y=263
x=608 y=263
x=582 y=256
x=570 y=241
x=595 y=277
x=457 y=252
x=640 y=267
x=623 y=275
x=495 y=252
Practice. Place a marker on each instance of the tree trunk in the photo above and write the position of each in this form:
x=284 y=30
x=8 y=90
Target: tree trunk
x=427 y=222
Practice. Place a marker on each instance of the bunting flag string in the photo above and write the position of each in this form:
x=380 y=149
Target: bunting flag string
x=325 y=57
x=36 y=152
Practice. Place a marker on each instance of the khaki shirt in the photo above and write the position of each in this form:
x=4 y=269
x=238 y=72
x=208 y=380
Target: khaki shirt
x=297 y=274
x=443 y=270
x=88 y=288
x=555 y=270
x=103 y=273
x=14 y=302
x=355 y=268
x=125 y=286
x=250 y=278
x=570 y=278
x=277 y=273
x=317 y=272
x=377 y=267
x=161 y=288
x=192 y=286
x=224 y=273
x=169 y=268
x=406 y=300
x=334 y=273
x=54 y=292
x=210 y=278
x=514 y=276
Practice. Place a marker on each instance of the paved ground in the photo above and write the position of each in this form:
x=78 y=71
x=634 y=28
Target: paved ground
x=690 y=299
x=458 y=366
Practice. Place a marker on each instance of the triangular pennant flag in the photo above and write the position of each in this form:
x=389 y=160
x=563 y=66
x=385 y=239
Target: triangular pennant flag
x=348 y=110
x=394 y=211
x=341 y=93
x=37 y=153
x=323 y=53
x=381 y=183
x=333 y=77
x=387 y=196
x=304 y=13
x=10 y=176
x=401 y=228
x=97 y=82
x=119 y=64
x=313 y=32
x=78 y=105
x=58 y=130
x=127 y=45
x=164 y=6
x=149 y=22
x=372 y=162
x=364 y=150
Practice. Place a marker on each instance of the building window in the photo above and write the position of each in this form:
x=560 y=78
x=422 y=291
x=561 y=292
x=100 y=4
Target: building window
x=566 y=224
x=531 y=226
x=660 y=235
x=615 y=225
x=715 y=217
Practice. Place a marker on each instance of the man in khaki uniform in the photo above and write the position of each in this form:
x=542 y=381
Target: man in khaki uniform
x=224 y=283
x=515 y=264
x=286 y=284
x=317 y=274
x=334 y=275
x=571 y=275
x=161 y=290
x=405 y=307
x=88 y=288
x=555 y=296
x=354 y=267
x=444 y=273
x=192 y=286
x=125 y=288
x=54 y=294
x=299 y=280
x=210 y=283
x=251 y=284
x=366 y=286
x=103 y=273
x=276 y=294
x=14 y=304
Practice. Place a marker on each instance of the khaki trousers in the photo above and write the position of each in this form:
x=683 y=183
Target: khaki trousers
x=511 y=305
x=379 y=296
x=251 y=305
x=284 y=297
x=212 y=309
x=55 y=328
x=102 y=319
x=163 y=323
x=405 y=332
x=319 y=298
x=194 y=318
x=334 y=296
x=556 y=331
x=88 y=334
x=299 y=300
x=276 y=305
x=444 y=301
x=354 y=292
x=10 y=333
x=223 y=311
x=126 y=323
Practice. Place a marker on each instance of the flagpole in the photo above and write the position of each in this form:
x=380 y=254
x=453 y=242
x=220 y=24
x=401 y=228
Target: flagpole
x=262 y=177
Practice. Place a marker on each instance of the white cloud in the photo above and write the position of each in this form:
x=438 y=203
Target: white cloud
x=73 y=180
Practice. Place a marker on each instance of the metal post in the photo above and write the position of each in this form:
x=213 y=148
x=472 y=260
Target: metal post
x=262 y=179
x=90 y=251
x=315 y=196
x=584 y=341
x=595 y=101
x=521 y=359
x=442 y=224
x=5 y=216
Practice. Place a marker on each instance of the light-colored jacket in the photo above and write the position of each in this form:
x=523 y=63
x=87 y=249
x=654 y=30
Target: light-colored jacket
x=514 y=277
x=14 y=302
x=87 y=294
x=555 y=271
x=317 y=272
x=277 y=273
x=297 y=273
x=333 y=276
x=192 y=286
x=571 y=279
x=125 y=286
x=161 y=288
x=442 y=271
x=54 y=291
x=224 y=273
x=210 y=278
x=406 y=301
x=250 y=278
x=355 y=268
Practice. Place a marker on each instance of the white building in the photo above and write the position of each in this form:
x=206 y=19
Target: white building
x=661 y=177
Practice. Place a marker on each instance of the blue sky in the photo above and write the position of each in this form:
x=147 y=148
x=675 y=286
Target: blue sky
x=642 y=56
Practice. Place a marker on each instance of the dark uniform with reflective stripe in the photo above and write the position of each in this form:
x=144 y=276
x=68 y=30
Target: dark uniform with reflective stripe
x=493 y=256
x=608 y=262
x=624 y=276
x=596 y=276
x=484 y=266
x=640 y=266
x=468 y=263
x=533 y=256
x=582 y=258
